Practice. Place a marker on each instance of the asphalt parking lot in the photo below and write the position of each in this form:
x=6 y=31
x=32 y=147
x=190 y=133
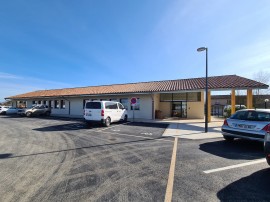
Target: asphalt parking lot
x=58 y=159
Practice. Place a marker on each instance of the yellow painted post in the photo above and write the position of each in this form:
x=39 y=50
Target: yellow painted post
x=249 y=98
x=233 y=101
x=209 y=106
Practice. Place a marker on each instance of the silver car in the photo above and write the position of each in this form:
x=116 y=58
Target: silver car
x=35 y=110
x=8 y=110
x=249 y=124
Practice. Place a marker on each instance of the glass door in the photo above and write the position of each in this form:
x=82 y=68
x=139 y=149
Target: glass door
x=179 y=109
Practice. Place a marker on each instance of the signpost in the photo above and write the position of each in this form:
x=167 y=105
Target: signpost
x=133 y=102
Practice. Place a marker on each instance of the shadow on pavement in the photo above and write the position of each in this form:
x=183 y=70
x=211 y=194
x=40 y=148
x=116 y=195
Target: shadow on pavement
x=198 y=128
x=7 y=156
x=63 y=127
x=254 y=187
x=4 y=156
x=152 y=125
x=83 y=125
x=238 y=149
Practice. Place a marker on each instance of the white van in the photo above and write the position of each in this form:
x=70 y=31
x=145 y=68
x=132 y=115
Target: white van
x=105 y=112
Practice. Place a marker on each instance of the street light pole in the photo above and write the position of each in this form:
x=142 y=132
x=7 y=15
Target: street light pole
x=265 y=103
x=206 y=87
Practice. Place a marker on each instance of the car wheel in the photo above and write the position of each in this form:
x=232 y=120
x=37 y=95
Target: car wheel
x=268 y=160
x=125 y=119
x=47 y=113
x=28 y=114
x=107 y=122
x=228 y=138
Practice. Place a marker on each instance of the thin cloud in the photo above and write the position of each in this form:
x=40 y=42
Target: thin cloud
x=12 y=84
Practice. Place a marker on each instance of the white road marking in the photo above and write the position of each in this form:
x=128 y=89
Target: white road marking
x=146 y=133
x=235 y=166
x=169 y=190
x=136 y=136
x=110 y=127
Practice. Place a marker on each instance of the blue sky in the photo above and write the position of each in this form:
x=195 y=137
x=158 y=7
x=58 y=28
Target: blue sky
x=55 y=44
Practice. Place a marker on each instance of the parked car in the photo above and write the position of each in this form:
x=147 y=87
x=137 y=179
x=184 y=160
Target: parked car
x=105 y=112
x=8 y=110
x=267 y=144
x=251 y=124
x=35 y=110
x=227 y=109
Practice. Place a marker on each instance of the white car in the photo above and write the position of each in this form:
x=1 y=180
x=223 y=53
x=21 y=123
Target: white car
x=8 y=110
x=105 y=112
x=252 y=124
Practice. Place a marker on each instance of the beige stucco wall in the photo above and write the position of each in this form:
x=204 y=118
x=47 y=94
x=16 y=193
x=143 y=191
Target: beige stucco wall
x=165 y=108
x=195 y=110
x=156 y=101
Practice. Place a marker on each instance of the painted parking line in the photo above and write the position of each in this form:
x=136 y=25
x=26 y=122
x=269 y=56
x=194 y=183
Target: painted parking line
x=235 y=166
x=169 y=190
x=148 y=138
x=100 y=130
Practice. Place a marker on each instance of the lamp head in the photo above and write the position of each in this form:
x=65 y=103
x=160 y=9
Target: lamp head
x=201 y=49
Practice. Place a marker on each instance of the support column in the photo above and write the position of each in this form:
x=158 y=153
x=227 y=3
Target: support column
x=209 y=106
x=249 y=99
x=233 y=101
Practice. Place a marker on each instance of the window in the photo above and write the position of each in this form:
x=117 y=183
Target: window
x=34 y=102
x=50 y=104
x=137 y=105
x=111 y=105
x=121 y=106
x=93 y=105
x=56 y=104
x=62 y=104
x=263 y=116
x=39 y=102
x=242 y=115
x=166 y=97
x=124 y=102
x=179 y=96
x=44 y=102
x=194 y=96
x=190 y=96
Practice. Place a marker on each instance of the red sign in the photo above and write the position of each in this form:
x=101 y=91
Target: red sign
x=133 y=100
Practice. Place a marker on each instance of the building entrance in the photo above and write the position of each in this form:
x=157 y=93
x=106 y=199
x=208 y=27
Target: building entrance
x=179 y=109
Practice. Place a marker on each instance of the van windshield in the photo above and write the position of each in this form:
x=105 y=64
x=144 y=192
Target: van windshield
x=93 y=105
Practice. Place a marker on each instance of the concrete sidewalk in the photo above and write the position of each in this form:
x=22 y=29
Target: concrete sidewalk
x=190 y=128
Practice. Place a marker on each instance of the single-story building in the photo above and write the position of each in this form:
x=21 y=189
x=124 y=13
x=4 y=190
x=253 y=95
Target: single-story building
x=183 y=98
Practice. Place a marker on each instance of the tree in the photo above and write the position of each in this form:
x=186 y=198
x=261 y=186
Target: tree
x=263 y=77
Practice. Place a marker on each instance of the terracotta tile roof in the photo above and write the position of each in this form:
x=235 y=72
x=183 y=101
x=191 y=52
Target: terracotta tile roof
x=216 y=82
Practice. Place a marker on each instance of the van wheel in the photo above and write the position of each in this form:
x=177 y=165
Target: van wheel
x=107 y=122
x=28 y=114
x=125 y=119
